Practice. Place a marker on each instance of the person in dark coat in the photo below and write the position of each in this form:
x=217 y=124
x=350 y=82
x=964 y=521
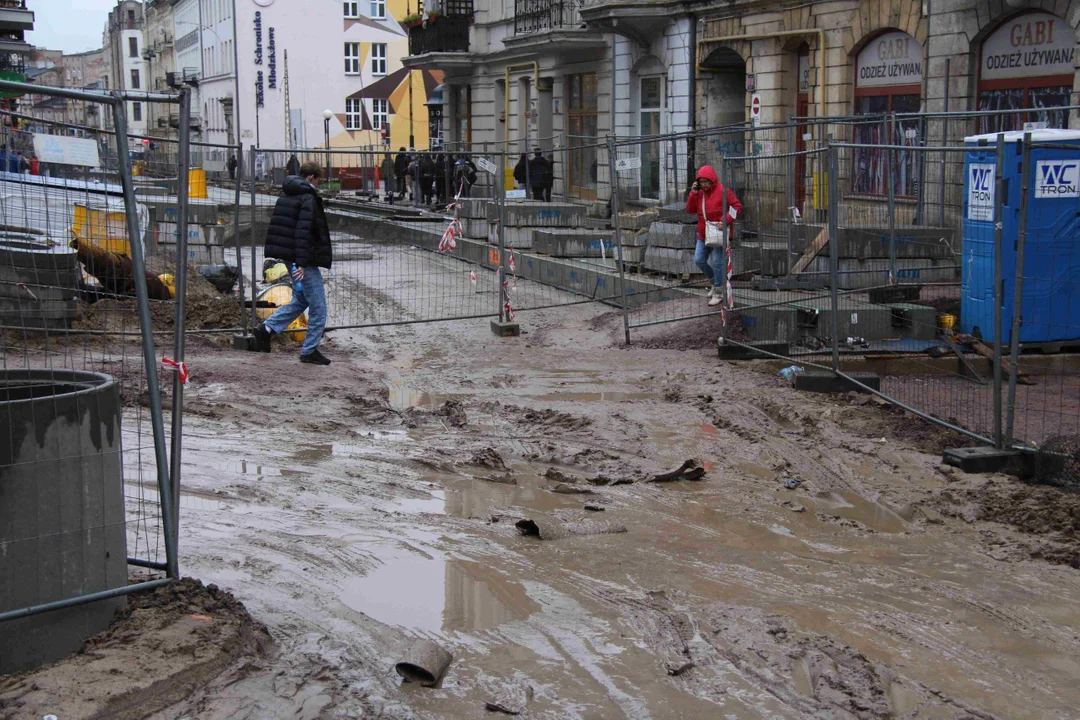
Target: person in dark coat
x=232 y=167
x=440 y=178
x=521 y=170
x=427 y=178
x=464 y=177
x=401 y=164
x=538 y=172
x=293 y=166
x=389 y=173
x=300 y=237
x=549 y=177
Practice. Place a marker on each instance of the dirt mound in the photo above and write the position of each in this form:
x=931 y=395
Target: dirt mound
x=551 y=419
x=454 y=412
x=697 y=334
x=164 y=645
x=872 y=417
x=1049 y=515
x=488 y=458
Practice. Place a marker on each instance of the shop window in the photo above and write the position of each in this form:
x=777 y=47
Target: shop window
x=888 y=84
x=1026 y=73
x=582 y=133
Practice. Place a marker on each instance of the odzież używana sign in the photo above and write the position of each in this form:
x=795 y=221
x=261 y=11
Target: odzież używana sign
x=894 y=58
x=1031 y=45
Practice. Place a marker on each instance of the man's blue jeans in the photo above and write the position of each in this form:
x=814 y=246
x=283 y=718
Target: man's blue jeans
x=712 y=262
x=312 y=298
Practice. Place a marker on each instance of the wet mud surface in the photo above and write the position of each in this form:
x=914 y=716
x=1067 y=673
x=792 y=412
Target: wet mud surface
x=355 y=508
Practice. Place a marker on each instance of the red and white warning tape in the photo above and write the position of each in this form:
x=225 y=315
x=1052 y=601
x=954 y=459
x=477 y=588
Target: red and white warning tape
x=730 y=297
x=180 y=367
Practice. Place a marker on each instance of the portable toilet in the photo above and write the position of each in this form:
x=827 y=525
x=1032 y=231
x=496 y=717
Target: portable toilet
x=1050 y=305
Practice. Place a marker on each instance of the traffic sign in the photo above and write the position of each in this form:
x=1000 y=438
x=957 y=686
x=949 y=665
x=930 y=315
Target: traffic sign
x=755 y=110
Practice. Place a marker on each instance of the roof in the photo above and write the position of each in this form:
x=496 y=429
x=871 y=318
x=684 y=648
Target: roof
x=1047 y=135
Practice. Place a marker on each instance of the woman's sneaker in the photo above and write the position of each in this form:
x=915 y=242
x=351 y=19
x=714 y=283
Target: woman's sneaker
x=712 y=292
x=716 y=299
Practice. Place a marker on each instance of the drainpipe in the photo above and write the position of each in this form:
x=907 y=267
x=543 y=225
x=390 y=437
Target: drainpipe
x=781 y=33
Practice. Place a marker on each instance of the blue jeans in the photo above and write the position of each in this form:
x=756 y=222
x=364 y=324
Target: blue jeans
x=312 y=297
x=712 y=262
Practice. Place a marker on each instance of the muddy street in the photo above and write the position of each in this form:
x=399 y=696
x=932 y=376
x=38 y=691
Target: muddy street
x=357 y=507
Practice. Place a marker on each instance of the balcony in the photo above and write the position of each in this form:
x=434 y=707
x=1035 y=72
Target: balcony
x=446 y=33
x=442 y=41
x=15 y=16
x=533 y=16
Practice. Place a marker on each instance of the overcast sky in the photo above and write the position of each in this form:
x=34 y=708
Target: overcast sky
x=69 y=26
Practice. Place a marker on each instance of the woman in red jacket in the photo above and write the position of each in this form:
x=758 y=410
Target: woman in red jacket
x=711 y=259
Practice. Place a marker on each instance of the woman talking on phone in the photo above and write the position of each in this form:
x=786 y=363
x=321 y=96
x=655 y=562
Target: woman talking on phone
x=706 y=200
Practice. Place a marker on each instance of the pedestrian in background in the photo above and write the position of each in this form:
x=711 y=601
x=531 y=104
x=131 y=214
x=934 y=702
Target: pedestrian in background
x=521 y=172
x=401 y=165
x=706 y=200
x=293 y=166
x=464 y=177
x=232 y=167
x=538 y=172
x=389 y=174
x=300 y=237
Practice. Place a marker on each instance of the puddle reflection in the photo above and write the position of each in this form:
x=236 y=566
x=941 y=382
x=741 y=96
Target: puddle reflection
x=438 y=595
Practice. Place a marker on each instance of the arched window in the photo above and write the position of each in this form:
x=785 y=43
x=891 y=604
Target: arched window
x=1027 y=64
x=888 y=79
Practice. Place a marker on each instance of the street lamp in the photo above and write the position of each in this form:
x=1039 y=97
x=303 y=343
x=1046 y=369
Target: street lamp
x=327 y=114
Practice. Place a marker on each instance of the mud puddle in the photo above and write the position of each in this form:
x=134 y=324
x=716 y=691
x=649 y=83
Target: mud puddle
x=437 y=594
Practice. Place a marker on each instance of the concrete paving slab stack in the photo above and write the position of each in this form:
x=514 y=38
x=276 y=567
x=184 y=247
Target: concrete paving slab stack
x=525 y=217
x=671 y=242
x=474 y=218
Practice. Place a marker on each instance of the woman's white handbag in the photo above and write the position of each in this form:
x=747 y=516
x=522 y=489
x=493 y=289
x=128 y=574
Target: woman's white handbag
x=714 y=231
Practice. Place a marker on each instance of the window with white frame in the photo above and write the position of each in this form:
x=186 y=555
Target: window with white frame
x=380 y=113
x=378 y=58
x=353 y=114
x=352 y=9
x=352 y=58
x=378 y=9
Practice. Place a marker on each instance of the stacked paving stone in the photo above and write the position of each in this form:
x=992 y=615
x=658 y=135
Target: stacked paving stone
x=671 y=242
x=523 y=218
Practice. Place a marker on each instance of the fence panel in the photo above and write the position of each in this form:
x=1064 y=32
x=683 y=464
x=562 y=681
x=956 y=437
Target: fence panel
x=84 y=287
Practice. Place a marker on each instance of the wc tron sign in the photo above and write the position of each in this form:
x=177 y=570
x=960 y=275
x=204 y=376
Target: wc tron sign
x=981 y=191
x=1057 y=179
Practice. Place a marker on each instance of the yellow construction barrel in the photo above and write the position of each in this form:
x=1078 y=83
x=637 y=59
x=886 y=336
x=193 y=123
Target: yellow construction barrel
x=197 y=183
x=279 y=296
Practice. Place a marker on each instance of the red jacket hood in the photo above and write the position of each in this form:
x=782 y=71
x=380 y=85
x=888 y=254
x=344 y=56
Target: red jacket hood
x=707 y=173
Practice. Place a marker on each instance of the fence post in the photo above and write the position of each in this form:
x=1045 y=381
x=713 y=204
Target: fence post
x=790 y=199
x=146 y=330
x=180 y=302
x=891 y=191
x=1000 y=188
x=675 y=167
x=500 y=195
x=832 y=202
x=620 y=259
x=1018 y=289
x=236 y=233
x=944 y=144
x=252 y=316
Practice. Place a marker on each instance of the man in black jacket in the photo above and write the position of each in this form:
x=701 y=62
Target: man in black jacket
x=538 y=173
x=300 y=236
x=401 y=164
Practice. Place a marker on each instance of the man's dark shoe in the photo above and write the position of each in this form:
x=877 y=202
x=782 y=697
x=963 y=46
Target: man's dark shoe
x=262 y=338
x=315 y=358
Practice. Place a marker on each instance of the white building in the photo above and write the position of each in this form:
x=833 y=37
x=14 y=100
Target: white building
x=187 y=50
x=342 y=56
x=124 y=45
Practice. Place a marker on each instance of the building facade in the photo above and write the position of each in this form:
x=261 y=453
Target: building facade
x=124 y=43
x=562 y=72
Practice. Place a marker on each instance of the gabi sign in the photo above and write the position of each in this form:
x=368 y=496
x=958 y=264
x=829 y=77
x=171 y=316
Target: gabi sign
x=894 y=58
x=1031 y=45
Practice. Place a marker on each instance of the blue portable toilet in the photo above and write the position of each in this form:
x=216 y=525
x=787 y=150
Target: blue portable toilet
x=1050 y=302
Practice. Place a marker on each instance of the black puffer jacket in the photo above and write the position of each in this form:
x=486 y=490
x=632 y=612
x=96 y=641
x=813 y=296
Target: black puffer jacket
x=298 y=231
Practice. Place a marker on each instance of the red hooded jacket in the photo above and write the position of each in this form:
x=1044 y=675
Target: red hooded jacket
x=714 y=202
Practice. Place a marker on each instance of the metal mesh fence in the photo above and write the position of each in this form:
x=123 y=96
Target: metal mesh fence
x=85 y=285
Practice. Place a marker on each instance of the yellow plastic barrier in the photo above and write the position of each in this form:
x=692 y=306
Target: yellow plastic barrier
x=279 y=296
x=197 y=184
x=101 y=226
